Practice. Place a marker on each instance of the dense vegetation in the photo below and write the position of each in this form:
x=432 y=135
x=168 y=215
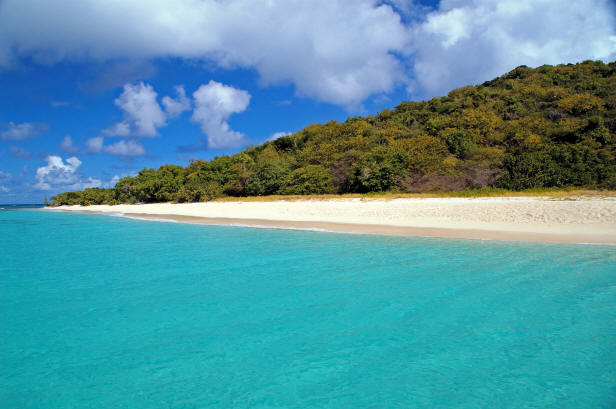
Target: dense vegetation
x=531 y=128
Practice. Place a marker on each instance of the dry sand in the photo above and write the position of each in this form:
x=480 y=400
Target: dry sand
x=583 y=220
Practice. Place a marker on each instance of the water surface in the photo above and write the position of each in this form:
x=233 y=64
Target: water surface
x=106 y=312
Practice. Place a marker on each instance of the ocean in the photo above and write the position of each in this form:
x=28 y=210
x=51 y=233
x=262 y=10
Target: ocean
x=109 y=312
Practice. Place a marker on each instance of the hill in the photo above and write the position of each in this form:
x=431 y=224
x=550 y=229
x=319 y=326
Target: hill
x=552 y=126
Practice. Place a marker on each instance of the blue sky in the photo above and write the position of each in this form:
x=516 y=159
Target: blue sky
x=91 y=91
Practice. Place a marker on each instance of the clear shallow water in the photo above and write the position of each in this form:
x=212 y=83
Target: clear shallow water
x=105 y=312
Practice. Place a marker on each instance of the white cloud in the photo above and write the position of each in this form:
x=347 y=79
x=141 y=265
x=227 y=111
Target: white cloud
x=337 y=51
x=125 y=148
x=7 y=179
x=117 y=129
x=277 y=135
x=67 y=145
x=57 y=172
x=112 y=182
x=473 y=41
x=214 y=104
x=94 y=145
x=142 y=113
x=21 y=132
x=452 y=26
x=175 y=106
x=4 y=176
x=87 y=182
x=20 y=153
x=59 y=175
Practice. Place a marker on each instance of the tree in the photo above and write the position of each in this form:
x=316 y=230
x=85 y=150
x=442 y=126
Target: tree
x=312 y=179
x=267 y=179
x=375 y=172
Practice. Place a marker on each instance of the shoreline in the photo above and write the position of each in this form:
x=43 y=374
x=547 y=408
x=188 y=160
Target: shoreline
x=529 y=219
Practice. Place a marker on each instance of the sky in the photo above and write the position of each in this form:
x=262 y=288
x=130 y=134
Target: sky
x=92 y=91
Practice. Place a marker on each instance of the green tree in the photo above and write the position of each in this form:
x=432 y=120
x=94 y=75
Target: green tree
x=458 y=142
x=312 y=179
x=267 y=179
x=375 y=172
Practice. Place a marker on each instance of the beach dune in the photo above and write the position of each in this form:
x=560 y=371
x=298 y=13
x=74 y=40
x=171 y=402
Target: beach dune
x=583 y=219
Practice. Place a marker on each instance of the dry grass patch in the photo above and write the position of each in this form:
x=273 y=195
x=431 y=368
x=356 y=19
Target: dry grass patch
x=556 y=194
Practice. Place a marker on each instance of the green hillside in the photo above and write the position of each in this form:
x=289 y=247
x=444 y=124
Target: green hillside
x=553 y=126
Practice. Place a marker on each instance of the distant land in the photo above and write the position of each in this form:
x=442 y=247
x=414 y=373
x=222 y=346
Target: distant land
x=548 y=127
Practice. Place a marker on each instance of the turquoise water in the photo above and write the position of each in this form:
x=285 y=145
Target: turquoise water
x=106 y=312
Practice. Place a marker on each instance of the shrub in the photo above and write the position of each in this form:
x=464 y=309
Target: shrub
x=267 y=179
x=580 y=104
x=312 y=179
x=375 y=172
x=194 y=192
x=458 y=142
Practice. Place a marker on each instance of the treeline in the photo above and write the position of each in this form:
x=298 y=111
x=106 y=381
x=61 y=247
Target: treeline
x=553 y=126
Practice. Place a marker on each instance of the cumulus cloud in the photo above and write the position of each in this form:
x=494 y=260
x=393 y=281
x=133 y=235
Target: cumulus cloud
x=468 y=42
x=125 y=148
x=4 y=177
x=214 y=104
x=67 y=145
x=332 y=50
x=112 y=182
x=337 y=51
x=142 y=113
x=175 y=106
x=21 y=132
x=20 y=153
x=97 y=145
x=57 y=174
x=117 y=129
x=87 y=182
x=94 y=145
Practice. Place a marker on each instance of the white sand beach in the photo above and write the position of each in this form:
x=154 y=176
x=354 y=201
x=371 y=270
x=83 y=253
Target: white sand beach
x=581 y=219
